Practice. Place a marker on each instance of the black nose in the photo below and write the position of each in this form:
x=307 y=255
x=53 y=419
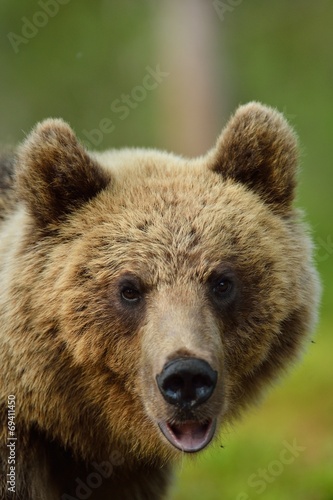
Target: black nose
x=187 y=382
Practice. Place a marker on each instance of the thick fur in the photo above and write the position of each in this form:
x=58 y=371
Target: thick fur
x=76 y=228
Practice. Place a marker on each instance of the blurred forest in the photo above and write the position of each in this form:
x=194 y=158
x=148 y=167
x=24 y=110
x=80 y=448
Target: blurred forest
x=88 y=62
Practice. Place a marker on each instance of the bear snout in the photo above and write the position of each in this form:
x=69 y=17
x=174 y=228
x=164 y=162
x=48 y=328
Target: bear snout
x=187 y=382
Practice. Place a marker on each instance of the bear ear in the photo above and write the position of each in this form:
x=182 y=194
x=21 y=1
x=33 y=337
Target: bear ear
x=259 y=149
x=54 y=173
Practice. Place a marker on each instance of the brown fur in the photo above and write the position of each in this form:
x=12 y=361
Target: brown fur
x=7 y=197
x=82 y=363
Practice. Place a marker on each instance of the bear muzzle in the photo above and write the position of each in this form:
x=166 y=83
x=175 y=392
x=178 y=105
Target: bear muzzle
x=186 y=384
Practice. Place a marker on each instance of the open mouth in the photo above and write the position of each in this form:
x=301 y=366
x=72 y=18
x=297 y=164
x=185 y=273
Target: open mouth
x=189 y=436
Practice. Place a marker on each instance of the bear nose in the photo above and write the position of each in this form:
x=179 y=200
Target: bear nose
x=187 y=382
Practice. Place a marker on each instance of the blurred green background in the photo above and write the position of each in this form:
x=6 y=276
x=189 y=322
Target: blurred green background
x=79 y=57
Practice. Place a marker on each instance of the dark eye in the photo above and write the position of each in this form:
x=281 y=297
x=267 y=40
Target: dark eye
x=223 y=288
x=130 y=294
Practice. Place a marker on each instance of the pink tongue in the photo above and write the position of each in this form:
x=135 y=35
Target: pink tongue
x=189 y=434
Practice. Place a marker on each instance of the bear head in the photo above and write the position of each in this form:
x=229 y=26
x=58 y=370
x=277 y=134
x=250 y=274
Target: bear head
x=163 y=293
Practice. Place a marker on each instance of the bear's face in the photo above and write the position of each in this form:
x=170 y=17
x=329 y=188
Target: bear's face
x=181 y=286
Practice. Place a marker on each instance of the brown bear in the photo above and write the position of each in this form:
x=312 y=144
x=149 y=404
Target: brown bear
x=146 y=299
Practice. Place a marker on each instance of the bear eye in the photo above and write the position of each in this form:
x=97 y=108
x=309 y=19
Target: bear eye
x=131 y=290
x=223 y=287
x=130 y=294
